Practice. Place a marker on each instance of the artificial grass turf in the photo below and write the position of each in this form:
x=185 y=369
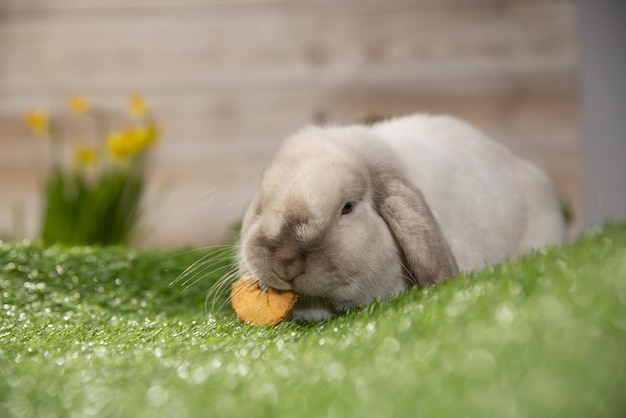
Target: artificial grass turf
x=99 y=332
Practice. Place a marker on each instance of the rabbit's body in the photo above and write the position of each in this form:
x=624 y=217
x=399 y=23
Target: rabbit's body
x=350 y=214
x=489 y=203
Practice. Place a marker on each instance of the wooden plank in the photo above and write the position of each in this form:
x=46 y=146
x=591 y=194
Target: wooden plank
x=20 y=202
x=185 y=53
x=21 y=7
x=198 y=203
x=211 y=129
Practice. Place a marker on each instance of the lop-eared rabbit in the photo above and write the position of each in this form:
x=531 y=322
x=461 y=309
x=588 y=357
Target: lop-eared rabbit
x=350 y=214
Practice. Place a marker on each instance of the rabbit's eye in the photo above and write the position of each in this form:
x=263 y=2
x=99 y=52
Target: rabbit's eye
x=347 y=208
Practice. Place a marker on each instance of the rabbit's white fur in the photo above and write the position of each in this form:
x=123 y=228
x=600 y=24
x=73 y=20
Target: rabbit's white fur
x=432 y=196
x=489 y=203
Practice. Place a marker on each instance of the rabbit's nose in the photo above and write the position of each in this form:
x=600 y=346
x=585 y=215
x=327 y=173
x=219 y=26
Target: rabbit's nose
x=288 y=264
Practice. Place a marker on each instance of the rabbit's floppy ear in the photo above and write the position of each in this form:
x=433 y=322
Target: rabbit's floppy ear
x=425 y=251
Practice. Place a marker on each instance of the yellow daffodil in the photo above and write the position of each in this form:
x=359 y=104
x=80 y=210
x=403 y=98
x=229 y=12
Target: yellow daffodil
x=137 y=105
x=78 y=104
x=119 y=145
x=135 y=138
x=131 y=141
x=148 y=134
x=38 y=121
x=153 y=133
x=85 y=155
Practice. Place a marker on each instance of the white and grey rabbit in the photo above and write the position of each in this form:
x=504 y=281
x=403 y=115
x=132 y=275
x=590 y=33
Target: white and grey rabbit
x=347 y=215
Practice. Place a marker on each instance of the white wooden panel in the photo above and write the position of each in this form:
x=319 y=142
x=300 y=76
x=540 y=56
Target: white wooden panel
x=207 y=130
x=229 y=80
x=247 y=6
x=191 y=53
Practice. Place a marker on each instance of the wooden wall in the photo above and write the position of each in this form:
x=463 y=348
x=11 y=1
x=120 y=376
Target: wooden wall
x=230 y=79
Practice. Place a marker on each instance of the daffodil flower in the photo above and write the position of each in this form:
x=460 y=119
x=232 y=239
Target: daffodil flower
x=98 y=185
x=78 y=104
x=85 y=155
x=137 y=106
x=148 y=134
x=119 y=145
x=136 y=138
x=38 y=121
x=131 y=141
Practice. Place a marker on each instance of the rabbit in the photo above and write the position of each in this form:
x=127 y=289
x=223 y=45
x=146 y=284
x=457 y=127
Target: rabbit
x=346 y=215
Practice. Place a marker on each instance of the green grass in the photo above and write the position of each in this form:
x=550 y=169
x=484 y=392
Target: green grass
x=99 y=332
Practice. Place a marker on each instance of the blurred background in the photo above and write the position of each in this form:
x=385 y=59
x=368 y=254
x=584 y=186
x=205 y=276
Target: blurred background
x=228 y=80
